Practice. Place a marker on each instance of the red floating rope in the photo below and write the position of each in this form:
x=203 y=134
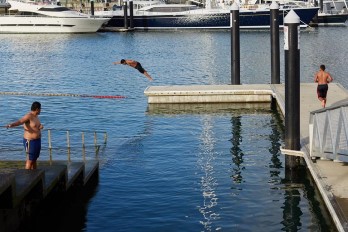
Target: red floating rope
x=106 y=96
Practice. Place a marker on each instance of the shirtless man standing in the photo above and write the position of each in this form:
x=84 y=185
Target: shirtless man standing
x=323 y=78
x=32 y=134
x=136 y=65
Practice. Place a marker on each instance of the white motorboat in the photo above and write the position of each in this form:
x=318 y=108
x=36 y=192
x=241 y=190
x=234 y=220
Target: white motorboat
x=33 y=17
x=331 y=13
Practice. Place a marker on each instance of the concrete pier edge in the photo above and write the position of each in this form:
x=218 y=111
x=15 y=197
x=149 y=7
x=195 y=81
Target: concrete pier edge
x=27 y=189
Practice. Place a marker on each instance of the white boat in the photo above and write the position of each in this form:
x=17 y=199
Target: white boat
x=333 y=13
x=33 y=17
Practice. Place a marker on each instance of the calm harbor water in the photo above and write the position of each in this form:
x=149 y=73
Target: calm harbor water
x=166 y=168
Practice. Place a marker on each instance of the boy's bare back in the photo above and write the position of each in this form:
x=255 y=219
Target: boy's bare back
x=323 y=77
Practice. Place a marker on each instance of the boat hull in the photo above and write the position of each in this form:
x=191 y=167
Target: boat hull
x=15 y=24
x=332 y=20
x=248 y=20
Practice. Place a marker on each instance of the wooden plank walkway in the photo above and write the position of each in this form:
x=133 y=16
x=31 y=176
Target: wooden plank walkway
x=330 y=177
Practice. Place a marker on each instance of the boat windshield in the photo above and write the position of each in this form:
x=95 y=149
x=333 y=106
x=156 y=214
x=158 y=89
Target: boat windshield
x=54 y=9
x=171 y=9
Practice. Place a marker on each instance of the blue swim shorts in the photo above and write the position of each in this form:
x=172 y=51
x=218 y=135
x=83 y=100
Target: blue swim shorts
x=32 y=148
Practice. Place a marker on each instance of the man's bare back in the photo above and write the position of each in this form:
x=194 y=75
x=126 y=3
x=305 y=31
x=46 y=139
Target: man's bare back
x=323 y=77
x=131 y=63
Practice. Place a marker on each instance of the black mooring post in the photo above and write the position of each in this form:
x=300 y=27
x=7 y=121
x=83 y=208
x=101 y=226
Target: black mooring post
x=131 y=14
x=321 y=5
x=92 y=7
x=292 y=86
x=235 y=45
x=125 y=10
x=275 y=57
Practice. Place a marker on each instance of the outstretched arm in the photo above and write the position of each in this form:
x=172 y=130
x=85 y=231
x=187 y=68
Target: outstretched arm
x=116 y=62
x=19 y=122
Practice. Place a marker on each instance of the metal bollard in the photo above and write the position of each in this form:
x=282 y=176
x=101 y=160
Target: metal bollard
x=275 y=58
x=83 y=140
x=235 y=45
x=131 y=14
x=292 y=86
x=92 y=7
x=49 y=144
x=105 y=137
x=68 y=144
x=125 y=14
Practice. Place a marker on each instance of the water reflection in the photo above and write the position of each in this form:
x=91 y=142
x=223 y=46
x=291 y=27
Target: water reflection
x=63 y=212
x=277 y=128
x=291 y=210
x=205 y=161
x=320 y=217
x=236 y=152
x=295 y=189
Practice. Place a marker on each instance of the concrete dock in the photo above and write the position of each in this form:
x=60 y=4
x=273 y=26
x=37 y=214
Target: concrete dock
x=21 y=191
x=330 y=177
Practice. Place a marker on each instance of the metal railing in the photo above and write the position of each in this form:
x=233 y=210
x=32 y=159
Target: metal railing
x=62 y=144
x=69 y=143
x=328 y=133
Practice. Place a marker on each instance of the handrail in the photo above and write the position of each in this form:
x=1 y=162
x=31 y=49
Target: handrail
x=328 y=133
x=333 y=107
x=71 y=144
x=96 y=146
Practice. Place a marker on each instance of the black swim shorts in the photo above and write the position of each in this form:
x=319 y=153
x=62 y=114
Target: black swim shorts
x=322 y=90
x=140 y=68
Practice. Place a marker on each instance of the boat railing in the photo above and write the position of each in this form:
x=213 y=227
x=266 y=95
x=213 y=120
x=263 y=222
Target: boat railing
x=328 y=133
x=170 y=11
x=335 y=7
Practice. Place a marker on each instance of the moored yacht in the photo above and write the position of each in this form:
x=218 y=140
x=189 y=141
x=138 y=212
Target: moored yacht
x=33 y=17
x=184 y=16
x=333 y=13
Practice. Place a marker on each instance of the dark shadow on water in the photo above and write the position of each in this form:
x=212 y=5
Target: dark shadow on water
x=236 y=152
x=304 y=187
x=298 y=184
x=276 y=138
x=63 y=212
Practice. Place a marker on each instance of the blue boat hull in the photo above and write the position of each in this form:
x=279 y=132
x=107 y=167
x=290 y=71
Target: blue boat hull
x=248 y=20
